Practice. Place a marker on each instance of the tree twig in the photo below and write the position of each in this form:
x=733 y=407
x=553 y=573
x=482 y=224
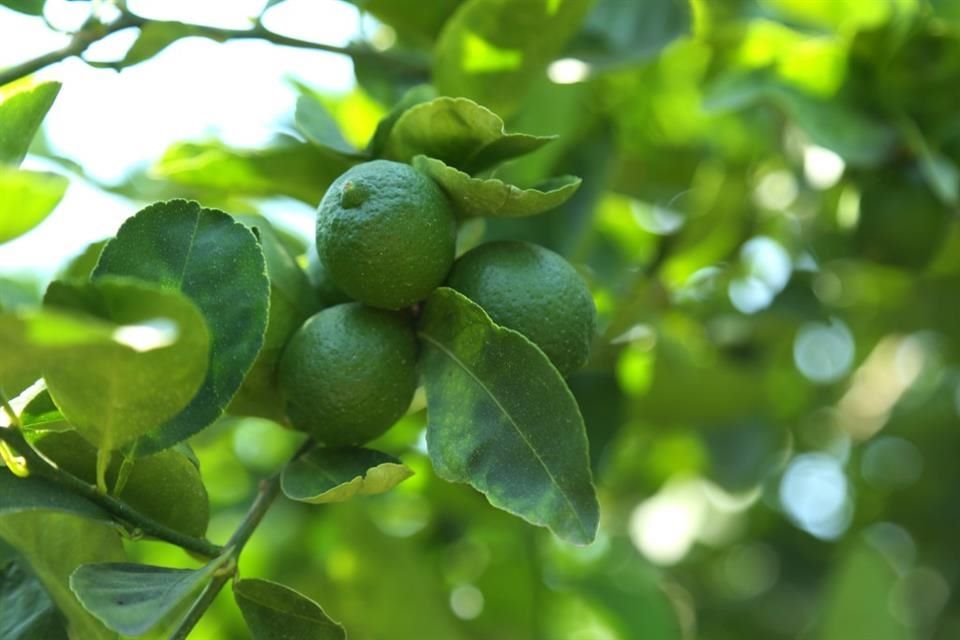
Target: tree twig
x=36 y=464
x=97 y=31
x=269 y=490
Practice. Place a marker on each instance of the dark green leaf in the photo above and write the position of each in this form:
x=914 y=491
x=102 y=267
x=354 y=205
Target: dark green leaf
x=276 y=612
x=319 y=127
x=491 y=50
x=30 y=7
x=28 y=612
x=134 y=598
x=53 y=545
x=33 y=494
x=26 y=198
x=218 y=264
x=20 y=118
x=622 y=32
x=292 y=301
x=459 y=132
x=502 y=419
x=493 y=197
x=114 y=393
x=297 y=170
x=335 y=475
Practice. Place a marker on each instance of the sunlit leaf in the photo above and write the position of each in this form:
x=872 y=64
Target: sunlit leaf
x=493 y=197
x=502 y=419
x=21 y=115
x=335 y=475
x=319 y=127
x=26 y=198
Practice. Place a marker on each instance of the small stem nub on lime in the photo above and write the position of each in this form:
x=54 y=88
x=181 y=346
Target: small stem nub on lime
x=353 y=194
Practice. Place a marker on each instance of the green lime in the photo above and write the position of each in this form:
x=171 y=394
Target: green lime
x=386 y=234
x=349 y=373
x=532 y=290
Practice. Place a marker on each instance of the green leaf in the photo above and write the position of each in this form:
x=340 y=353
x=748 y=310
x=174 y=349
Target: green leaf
x=625 y=32
x=28 y=612
x=416 y=95
x=154 y=37
x=26 y=198
x=319 y=127
x=20 y=118
x=131 y=598
x=33 y=494
x=491 y=50
x=54 y=544
x=421 y=26
x=336 y=475
x=114 y=393
x=165 y=486
x=502 y=419
x=292 y=301
x=297 y=170
x=218 y=264
x=492 y=197
x=459 y=132
x=29 y=7
x=276 y=612
x=81 y=267
x=857 y=600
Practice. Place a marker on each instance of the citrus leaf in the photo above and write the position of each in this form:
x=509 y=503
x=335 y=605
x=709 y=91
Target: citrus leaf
x=116 y=392
x=493 y=50
x=338 y=474
x=297 y=170
x=33 y=494
x=416 y=95
x=501 y=419
x=26 y=198
x=154 y=37
x=134 y=598
x=474 y=197
x=165 y=486
x=292 y=301
x=459 y=132
x=54 y=544
x=20 y=118
x=29 y=7
x=277 y=612
x=28 y=612
x=319 y=127
x=218 y=264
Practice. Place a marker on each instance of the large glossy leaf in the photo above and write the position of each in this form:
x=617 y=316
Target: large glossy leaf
x=292 y=301
x=20 y=118
x=218 y=264
x=165 y=486
x=134 y=598
x=294 y=169
x=476 y=197
x=502 y=419
x=54 y=544
x=335 y=475
x=26 y=198
x=275 y=612
x=459 y=132
x=490 y=50
x=114 y=393
x=27 y=611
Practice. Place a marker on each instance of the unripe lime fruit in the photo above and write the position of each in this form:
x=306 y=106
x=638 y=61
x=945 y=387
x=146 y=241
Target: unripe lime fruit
x=386 y=234
x=349 y=373
x=532 y=290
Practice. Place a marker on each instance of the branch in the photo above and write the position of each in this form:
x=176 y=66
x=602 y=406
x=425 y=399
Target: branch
x=121 y=510
x=93 y=32
x=269 y=490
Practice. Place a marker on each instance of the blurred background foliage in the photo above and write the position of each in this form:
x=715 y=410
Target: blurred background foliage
x=768 y=222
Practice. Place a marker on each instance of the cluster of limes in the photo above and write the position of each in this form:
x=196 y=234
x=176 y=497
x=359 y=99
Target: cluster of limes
x=386 y=238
